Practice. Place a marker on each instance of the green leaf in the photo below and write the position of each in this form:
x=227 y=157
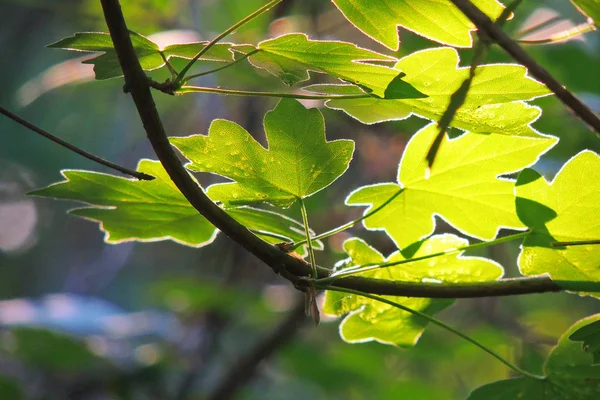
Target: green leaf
x=462 y=187
x=568 y=371
x=107 y=65
x=590 y=336
x=298 y=163
x=290 y=57
x=436 y=20
x=129 y=209
x=590 y=8
x=566 y=210
x=155 y=210
x=494 y=102
x=371 y=320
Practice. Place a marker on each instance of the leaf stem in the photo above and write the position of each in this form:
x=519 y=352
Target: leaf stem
x=75 y=149
x=235 y=92
x=235 y=26
x=576 y=243
x=311 y=252
x=369 y=267
x=351 y=223
x=443 y=325
x=212 y=71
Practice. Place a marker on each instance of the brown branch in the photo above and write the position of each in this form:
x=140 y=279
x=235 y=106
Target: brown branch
x=75 y=149
x=494 y=32
x=291 y=268
x=243 y=369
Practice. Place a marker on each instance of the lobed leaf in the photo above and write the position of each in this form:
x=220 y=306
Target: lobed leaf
x=463 y=186
x=371 y=320
x=291 y=57
x=107 y=65
x=568 y=375
x=155 y=210
x=564 y=210
x=436 y=20
x=298 y=163
x=494 y=102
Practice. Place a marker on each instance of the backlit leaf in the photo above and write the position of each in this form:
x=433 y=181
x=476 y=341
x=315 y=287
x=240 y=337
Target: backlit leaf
x=155 y=210
x=462 y=187
x=565 y=210
x=494 y=102
x=107 y=65
x=298 y=163
x=568 y=373
x=291 y=57
x=437 y=20
x=372 y=320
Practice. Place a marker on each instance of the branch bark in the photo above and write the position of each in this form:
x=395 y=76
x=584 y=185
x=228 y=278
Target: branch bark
x=291 y=268
x=495 y=32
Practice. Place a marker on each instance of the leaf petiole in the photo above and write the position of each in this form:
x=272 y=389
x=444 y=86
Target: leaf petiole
x=311 y=252
x=441 y=324
x=351 y=223
x=212 y=71
x=370 y=267
x=230 y=30
x=576 y=243
x=235 y=92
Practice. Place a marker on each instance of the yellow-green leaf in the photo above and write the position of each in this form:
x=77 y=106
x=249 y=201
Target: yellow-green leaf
x=463 y=186
x=565 y=210
x=436 y=20
x=368 y=319
x=495 y=102
x=298 y=162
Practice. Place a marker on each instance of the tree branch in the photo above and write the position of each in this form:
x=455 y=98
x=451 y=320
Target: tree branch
x=244 y=369
x=493 y=31
x=75 y=149
x=291 y=268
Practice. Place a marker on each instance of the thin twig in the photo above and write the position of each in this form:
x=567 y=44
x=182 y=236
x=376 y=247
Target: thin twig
x=494 y=32
x=75 y=149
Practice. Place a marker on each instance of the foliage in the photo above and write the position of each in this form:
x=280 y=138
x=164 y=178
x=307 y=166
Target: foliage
x=469 y=184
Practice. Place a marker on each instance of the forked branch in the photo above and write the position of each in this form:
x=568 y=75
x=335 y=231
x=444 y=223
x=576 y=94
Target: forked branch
x=291 y=268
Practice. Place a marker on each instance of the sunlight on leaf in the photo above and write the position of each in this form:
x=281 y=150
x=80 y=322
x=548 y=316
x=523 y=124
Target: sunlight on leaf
x=148 y=211
x=565 y=210
x=436 y=20
x=107 y=65
x=298 y=163
x=494 y=102
x=290 y=57
x=371 y=320
x=568 y=371
x=462 y=187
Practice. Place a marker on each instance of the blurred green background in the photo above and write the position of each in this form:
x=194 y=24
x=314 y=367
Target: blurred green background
x=80 y=319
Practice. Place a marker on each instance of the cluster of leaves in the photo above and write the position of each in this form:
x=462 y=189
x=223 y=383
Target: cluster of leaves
x=466 y=185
